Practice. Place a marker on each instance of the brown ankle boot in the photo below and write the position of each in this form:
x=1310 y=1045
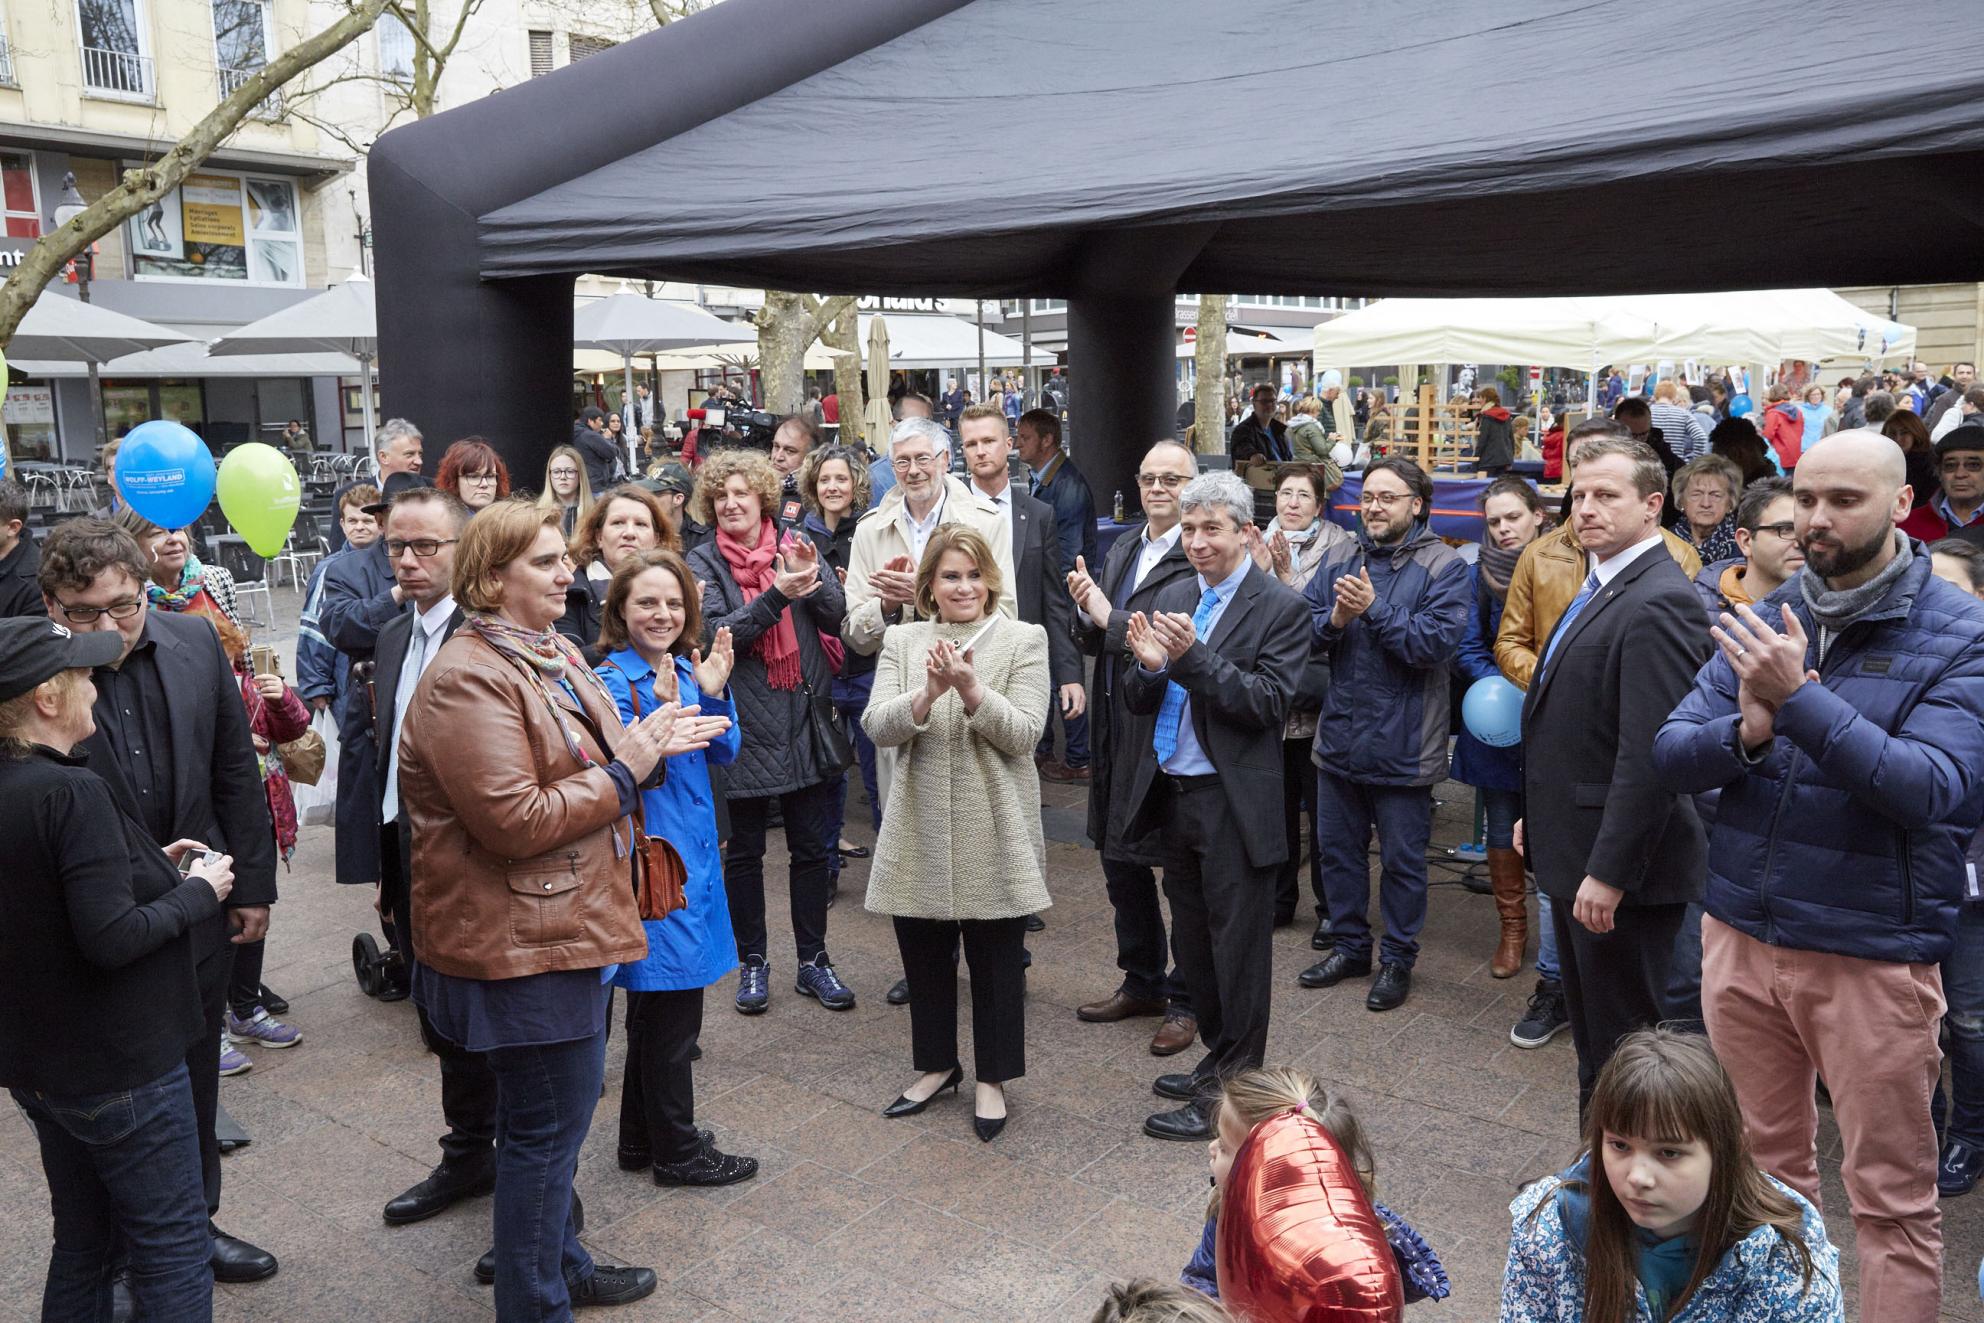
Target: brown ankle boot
x=1505 y=873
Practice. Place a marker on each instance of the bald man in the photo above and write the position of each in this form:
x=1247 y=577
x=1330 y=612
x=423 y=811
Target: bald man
x=1843 y=722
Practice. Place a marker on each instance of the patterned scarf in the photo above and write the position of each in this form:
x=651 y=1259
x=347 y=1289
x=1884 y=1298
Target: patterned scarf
x=752 y=567
x=1497 y=568
x=192 y=582
x=546 y=657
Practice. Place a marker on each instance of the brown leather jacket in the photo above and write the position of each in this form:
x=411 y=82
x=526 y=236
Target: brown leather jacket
x=1548 y=576
x=520 y=857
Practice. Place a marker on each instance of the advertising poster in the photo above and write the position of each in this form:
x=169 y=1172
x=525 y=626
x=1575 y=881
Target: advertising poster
x=211 y=207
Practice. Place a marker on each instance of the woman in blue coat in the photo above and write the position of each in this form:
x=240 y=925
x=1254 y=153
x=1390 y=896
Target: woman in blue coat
x=648 y=628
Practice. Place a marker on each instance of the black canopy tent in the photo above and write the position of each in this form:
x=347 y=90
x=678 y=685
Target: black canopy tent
x=1116 y=152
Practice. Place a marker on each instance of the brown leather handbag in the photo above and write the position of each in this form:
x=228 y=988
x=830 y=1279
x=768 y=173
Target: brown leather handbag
x=661 y=876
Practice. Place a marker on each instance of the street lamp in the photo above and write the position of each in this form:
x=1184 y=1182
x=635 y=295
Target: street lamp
x=67 y=209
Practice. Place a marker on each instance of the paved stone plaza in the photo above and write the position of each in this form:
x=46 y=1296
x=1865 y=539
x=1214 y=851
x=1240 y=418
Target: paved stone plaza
x=854 y=1218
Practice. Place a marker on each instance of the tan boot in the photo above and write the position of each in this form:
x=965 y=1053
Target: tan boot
x=1505 y=873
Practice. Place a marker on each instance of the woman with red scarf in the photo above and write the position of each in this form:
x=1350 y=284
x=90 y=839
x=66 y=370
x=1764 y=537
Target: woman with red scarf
x=770 y=587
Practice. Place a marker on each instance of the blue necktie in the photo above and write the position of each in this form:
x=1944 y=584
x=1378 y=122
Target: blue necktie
x=1585 y=594
x=1172 y=712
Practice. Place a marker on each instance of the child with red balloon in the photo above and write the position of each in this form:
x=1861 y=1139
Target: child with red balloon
x=1294 y=1234
x=1679 y=1222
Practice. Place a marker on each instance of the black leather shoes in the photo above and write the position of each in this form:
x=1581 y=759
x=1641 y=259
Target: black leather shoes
x=445 y=1186
x=613 y=1286
x=1322 y=939
x=1332 y=970
x=904 y=1105
x=1035 y=924
x=1189 y=1122
x=485 y=1267
x=1183 y=1086
x=235 y=1260
x=1390 y=991
x=899 y=994
x=987 y=1128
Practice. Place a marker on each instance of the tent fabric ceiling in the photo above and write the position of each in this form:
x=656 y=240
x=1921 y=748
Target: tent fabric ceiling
x=1621 y=161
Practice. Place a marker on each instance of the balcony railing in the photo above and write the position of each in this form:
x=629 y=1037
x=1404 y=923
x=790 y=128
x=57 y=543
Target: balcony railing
x=6 y=65
x=117 y=74
x=231 y=80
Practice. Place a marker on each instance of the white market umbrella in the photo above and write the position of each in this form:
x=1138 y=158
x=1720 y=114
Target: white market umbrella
x=629 y=324
x=69 y=330
x=344 y=319
x=877 y=422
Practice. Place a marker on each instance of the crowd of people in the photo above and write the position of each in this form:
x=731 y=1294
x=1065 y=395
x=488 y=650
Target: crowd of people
x=1746 y=788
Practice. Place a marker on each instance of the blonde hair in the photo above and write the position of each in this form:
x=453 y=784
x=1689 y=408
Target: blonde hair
x=716 y=472
x=18 y=711
x=1252 y=1096
x=1310 y=405
x=957 y=537
x=548 y=499
x=501 y=533
x=1147 y=1301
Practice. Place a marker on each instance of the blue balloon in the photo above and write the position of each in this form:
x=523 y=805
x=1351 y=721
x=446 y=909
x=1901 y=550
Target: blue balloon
x=1493 y=712
x=165 y=473
x=1741 y=406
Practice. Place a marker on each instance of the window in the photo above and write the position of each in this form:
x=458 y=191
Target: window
x=584 y=46
x=540 y=54
x=221 y=226
x=114 y=60
x=19 y=196
x=242 y=39
x=395 y=47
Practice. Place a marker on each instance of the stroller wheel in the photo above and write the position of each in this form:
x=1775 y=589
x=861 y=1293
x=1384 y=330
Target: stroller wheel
x=365 y=963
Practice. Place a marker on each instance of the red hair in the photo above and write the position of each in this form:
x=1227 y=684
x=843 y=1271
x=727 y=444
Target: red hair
x=471 y=454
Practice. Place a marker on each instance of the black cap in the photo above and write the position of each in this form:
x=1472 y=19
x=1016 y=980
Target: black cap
x=671 y=477
x=34 y=648
x=395 y=484
x=1970 y=436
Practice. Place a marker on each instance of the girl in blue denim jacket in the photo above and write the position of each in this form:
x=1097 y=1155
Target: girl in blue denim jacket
x=1253 y=1096
x=1670 y=1221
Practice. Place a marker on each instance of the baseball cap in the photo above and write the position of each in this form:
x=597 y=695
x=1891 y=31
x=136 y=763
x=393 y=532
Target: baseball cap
x=34 y=648
x=672 y=477
x=395 y=484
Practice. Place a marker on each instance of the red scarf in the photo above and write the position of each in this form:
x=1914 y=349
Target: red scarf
x=752 y=567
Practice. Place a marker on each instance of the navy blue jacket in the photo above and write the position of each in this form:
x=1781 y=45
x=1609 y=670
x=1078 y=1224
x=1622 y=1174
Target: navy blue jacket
x=1848 y=835
x=1384 y=719
x=357 y=603
x=1067 y=493
x=1475 y=763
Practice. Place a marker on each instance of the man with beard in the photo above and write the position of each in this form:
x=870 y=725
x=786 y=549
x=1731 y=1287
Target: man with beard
x=1841 y=722
x=1767 y=536
x=1390 y=609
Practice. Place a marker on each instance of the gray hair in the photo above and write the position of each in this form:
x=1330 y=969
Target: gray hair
x=394 y=430
x=910 y=429
x=1221 y=490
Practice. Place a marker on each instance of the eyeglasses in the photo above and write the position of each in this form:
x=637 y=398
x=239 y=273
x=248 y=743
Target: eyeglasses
x=904 y=463
x=1386 y=499
x=489 y=478
x=1963 y=466
x=1787 y=531
x=88 y=615
x=1171 y=482
x=422 y=547
x=564 y=473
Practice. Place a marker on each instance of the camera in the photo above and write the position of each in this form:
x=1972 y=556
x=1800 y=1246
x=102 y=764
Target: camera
x=725 y=429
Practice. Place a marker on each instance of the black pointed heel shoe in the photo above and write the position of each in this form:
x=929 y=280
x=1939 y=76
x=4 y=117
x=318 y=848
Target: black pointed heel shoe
x=987 y=1128
x=904 y=1105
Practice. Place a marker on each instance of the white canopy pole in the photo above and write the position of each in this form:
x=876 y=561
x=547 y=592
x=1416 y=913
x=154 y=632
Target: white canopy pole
x=633 y=439
x=365 y=376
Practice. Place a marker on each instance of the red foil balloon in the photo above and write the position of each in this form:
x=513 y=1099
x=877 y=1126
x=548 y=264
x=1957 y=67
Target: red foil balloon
x=1298 y=1239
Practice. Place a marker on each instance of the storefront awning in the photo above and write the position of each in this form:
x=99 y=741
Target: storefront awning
x=192 y=360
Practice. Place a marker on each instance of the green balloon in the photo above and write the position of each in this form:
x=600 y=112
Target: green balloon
x=259 y=494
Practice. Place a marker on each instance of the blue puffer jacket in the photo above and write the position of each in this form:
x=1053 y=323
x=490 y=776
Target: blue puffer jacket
x=1848 y=835
x=1384 y=719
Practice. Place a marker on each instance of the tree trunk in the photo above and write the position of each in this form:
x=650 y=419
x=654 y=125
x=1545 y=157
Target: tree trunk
x=845 y=335
x=788 y=325
x=1209 y=363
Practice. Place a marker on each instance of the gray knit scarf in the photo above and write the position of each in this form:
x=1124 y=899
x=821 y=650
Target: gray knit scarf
x=1835 y=609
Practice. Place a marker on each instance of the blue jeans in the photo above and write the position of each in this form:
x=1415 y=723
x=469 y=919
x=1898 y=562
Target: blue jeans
x=124 y=1174
x=1501 y=808
x=1546 y=941
x=1963 y=989
x=545 y=1098
x=1403 y=815
x=1077 y=733
x=1684 y=975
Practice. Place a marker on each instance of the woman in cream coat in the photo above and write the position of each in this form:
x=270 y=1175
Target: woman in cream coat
x=960 y=856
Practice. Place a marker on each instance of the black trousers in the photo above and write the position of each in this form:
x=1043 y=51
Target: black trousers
x=203 y=1064
x=244 y=986
x=1298 y=796
x=808 y=814
x=468 y=1085
x=1614 y=982
x=658 y=1094
x=993 y=950
x=1222 y=927
x=1143 y=952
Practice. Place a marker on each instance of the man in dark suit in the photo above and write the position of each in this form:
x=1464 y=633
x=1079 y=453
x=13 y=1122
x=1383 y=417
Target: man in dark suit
x=425 y=520
x=1620 y=856
x=1058 y=483
x=185 y=767
x=1140 y=564
x=1217 y=661
x=359 y=597
x=20 y=558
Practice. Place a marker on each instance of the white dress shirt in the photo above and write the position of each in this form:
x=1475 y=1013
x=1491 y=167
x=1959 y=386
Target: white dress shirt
x=428 y=627
x=1152 y=550
x=1608 y=570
